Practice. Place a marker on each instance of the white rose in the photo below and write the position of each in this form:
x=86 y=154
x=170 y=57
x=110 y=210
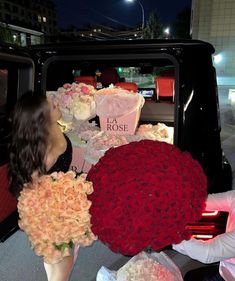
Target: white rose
x=81 y=111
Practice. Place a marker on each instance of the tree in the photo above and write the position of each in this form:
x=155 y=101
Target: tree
x=153 y=27
x=7 y=35
x=181 y=26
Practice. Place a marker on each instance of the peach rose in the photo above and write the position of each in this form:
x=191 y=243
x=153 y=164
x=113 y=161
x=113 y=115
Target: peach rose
x=54 y=213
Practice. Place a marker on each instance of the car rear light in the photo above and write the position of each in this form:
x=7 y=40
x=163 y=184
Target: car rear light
x=211 y=224
x=210 y=213
x=202 y=236
x=200 y=227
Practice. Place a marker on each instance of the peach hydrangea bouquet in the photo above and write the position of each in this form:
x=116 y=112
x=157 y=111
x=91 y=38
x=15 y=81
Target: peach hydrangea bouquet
x=77 y=101
x=116 y=102
x=54 y=213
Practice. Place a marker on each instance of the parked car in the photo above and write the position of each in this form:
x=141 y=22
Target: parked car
x=177 y=79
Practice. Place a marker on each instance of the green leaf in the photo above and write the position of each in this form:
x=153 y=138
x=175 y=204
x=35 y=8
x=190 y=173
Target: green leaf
x=61 y=247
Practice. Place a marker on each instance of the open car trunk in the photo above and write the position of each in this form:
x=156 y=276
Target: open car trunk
x=176 y=78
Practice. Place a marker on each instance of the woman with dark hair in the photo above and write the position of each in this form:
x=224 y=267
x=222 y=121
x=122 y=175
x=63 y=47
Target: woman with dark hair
x=38 y=147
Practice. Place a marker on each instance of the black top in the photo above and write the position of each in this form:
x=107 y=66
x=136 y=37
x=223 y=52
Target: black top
x=64 y=160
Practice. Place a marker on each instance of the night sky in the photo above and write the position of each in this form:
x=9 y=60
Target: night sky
x=115 y=12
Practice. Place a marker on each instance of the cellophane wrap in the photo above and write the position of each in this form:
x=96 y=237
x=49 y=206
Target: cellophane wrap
x=142 y=267
x=116 y=102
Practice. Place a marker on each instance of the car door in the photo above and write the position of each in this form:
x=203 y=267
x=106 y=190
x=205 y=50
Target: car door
x=16 y=77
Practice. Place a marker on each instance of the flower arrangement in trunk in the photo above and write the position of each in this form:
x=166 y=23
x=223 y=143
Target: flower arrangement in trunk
x=77 y=101
x=145 y=193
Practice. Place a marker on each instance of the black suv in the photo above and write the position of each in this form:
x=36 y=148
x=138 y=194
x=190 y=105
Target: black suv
x=190 y=107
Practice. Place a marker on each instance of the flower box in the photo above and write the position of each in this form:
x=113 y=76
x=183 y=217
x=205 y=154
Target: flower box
x=123 y=125
x=118 y=110
x=79 y=164
x=86 y=167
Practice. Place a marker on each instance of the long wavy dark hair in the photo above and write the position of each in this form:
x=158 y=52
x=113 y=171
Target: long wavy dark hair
x=29 y=139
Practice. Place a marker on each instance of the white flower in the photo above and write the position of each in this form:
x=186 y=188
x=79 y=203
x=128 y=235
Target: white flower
x=81 y=111
x=77 y=100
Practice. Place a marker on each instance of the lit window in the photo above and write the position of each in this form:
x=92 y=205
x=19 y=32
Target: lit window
x=44 y=19
x=39 y=18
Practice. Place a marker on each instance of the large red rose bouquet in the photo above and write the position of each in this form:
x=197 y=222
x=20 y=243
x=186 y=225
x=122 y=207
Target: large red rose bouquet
x=145 y=193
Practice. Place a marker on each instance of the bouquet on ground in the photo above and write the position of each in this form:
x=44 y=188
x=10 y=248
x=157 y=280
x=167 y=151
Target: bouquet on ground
x=77 y=101
x=54 y=213
x=142 y=267
x=145 y=194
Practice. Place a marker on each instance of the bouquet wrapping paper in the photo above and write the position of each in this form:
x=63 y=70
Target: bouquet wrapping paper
x=142 y=267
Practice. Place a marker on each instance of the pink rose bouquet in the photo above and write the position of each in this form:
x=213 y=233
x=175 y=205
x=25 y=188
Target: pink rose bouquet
x=77 y=101
x=54 y=213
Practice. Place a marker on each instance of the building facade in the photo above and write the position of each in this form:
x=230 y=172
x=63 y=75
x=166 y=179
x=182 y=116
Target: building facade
x=214 y=21
x=37 y=15
x=100 y=32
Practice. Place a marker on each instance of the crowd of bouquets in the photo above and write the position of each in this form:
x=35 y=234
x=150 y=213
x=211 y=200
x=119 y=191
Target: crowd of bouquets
x=145 y=193
x=54 y=213
x=130 y=206
x=101 y=141
x=144 y=201
x=96 y=142
x=80 y=102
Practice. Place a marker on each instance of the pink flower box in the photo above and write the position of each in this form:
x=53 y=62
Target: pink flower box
x=86 y=167
x=78 y=163
x=124 y=125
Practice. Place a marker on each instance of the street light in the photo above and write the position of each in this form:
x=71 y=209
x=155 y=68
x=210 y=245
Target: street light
x=142 y=9
x=167 y=32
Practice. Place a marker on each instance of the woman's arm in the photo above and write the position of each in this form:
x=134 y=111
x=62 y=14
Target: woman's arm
x=220 y=201
x=217 y=249
x=59 y=271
